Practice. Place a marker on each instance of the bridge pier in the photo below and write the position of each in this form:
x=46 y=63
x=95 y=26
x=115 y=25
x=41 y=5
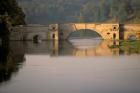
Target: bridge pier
x=54 y=32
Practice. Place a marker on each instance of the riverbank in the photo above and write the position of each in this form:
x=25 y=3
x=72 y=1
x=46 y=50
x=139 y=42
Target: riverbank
x=130 y=43
x=133 y=45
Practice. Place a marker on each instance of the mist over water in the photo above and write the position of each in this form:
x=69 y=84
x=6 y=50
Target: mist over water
x=77 y=66
x=84 y=63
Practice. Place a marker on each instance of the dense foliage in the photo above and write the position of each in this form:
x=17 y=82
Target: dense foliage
x=51 y=11
x=11 y=9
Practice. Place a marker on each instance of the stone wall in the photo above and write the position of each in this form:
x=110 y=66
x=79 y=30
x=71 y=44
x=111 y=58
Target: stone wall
x=29 y=32
x=112 y=31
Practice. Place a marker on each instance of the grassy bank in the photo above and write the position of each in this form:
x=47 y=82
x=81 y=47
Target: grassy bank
x=130 y=43
x=133 y=46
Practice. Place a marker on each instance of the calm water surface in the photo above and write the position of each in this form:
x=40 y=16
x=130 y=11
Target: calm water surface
x=79 y=66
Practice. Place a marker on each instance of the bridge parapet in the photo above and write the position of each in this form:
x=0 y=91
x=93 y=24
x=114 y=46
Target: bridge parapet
x=108 y=31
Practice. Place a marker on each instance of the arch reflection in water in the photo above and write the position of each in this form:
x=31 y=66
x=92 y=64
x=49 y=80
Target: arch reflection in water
x=93 y=47
x=81 y=47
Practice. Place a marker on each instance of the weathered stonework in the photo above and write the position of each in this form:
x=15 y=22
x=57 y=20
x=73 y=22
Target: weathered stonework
x=108 y=31
x=29 y=33
x=132 y=31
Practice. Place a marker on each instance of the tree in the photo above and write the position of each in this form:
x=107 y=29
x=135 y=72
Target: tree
x=54 y=11
x=11 y=8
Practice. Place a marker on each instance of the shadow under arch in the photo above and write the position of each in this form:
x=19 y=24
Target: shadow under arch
x=84 y=34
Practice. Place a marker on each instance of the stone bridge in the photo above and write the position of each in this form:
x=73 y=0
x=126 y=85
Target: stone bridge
x=29 y=33
x=108 y=31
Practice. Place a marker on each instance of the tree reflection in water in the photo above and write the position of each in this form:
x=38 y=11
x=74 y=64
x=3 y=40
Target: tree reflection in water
x=10 y=63
x=12 y=56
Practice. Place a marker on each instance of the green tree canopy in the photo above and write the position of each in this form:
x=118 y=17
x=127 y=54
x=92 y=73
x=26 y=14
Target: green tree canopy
x=54 y=11
x=13 y=11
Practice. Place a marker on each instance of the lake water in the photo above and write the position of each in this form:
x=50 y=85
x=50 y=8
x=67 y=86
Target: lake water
x=78 y=66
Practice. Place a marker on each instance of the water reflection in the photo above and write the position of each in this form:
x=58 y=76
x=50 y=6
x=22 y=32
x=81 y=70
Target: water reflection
x=10 y=62
x=74 y=48
x=48 y=70
x=12 y=57
x=95 y=48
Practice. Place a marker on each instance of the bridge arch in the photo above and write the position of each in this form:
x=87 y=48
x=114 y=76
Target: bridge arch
x=84 y=33
x=33 y=37
x=106 y=31
x=132 y=37
x=36 y=38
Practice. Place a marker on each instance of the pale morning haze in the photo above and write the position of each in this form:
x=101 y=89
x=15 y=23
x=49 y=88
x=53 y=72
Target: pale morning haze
x=69 y=46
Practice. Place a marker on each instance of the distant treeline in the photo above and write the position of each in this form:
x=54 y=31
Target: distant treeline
x=10 y=10
x=54 y=11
